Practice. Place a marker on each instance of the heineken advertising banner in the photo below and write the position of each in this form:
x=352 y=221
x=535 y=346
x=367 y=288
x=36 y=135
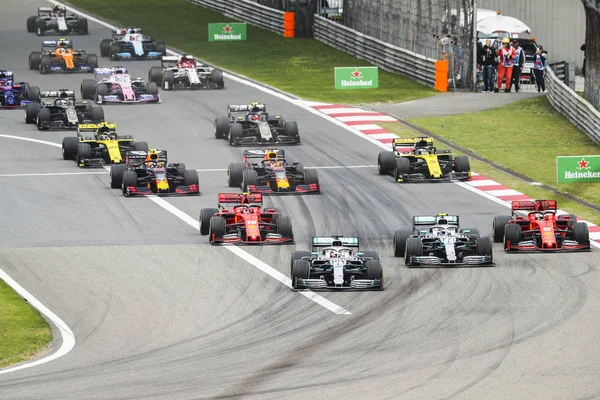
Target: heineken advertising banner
x=227 y=32
x=572 y=169
x=356 y=77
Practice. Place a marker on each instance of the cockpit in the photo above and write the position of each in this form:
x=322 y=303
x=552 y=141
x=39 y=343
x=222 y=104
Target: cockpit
x=280 y=174
x=330 y=252
x=443 y=230
x=546 y=216
x=244 y=209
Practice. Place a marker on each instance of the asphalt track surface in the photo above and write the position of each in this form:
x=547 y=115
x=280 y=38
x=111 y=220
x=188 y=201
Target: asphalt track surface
x=159 y=313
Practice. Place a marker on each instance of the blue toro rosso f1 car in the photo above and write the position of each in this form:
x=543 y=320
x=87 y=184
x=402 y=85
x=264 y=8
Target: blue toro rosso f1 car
x=16 y=94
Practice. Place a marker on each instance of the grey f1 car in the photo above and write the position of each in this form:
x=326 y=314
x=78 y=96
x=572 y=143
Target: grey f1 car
x=59 y=109
x=247 y=124
x=443 y=243
x=336 y=262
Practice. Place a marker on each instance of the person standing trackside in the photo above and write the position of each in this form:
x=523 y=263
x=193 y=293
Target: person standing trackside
x=488 y=62
x=582 y=48
x=445 y=42
x=505 y=65
x=518 y=65
x=539 y=69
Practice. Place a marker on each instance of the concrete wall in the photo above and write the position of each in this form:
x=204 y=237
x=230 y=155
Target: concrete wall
x=558 y=25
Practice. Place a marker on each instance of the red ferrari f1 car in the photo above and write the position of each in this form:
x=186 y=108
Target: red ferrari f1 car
x=541 y=229
x=246 y=221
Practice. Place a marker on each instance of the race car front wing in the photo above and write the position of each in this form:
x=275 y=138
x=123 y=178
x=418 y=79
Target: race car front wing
x=299 y=189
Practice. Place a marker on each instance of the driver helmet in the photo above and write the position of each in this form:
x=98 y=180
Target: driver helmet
x=255 y=117
x=548 y=216
x=420 y=151
x=269 y=164
x=61 y=103
x=132 y=31
x=151 y=164
x=333 y=254
x=184 y=58
x=532 y=216
x=56 y=8
x=102 y=137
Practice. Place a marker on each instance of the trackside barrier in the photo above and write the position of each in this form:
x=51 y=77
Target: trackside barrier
x=441 y=76
x=386 y=56
x=577 y=110
x=248 y=11
x=289 y=24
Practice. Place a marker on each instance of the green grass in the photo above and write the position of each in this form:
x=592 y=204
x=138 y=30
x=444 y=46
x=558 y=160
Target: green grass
x=525 y=137
x=23 y=331
x=301 y=66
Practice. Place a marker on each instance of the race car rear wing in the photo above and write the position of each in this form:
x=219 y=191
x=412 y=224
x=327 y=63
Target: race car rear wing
x=137 y=157
x=246 y=107
x=45 y=11
x=102 y=72
x=236 y=198
x=408 y=142
x=6 y=74
x=534 y=205
x=64 y=93
x=257 y=153
x=68 y=44
x=421 y=220
x=120 y=32
x=335 y=240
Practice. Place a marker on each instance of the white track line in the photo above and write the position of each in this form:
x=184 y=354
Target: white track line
x=55 y=174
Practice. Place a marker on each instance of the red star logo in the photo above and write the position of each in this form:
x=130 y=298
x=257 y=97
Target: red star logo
x=356 y=74
x=583 y=164
x=227 y=28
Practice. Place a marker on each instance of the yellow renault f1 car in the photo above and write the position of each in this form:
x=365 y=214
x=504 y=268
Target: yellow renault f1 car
x=99 y=144
x=417 y=160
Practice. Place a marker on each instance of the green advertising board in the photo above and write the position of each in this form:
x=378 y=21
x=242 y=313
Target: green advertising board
x=356 y=77
x=227 y=32
x=574 y=169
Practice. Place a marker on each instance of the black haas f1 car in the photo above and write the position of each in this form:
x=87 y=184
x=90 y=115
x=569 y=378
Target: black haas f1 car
x=97 y=145
x=267 y=172
x=442 y=242
x=186 y=72
x=337 y=263
x=422 y=163
x=251 y=124
x=62 y=58
x=241 y=218
x=55 y=20
x=541 y=229
x=147 y=172
x=130 y=44
x=59 y=109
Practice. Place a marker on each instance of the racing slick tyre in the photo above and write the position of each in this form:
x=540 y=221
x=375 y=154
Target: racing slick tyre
x=249 y=178
x=105 y=47
x=141 y=146
x=297 y=255
x=300 y=270
x=512 y=234
x=45 y=62
x=97 y=114
x=235 y=133
x=88 y=89
x=402 y=167
x=371 y=254
x=235 y=174
x=291 y=129
x=115 y=48
x=129 y=179
x=470 y=232
x=581 y=234
x=311 y=177
x=34 y=60
x=40 y=26
x=300 y=168
x=281 y=123
x=101 y=91
x=31 y=24
x=216 y=227
x=284 y=226
x=82 y=26
x=155 y=74
x=31 y=112
x=222 y=125
x=43 y=116
x=483 y=247
x=181 y=168
x=572 y=219
x=92 y=59
x=190 y=177
x=386 y=162
x=498 y=227
x=84 y=152
x=204 y=219
x=116 y=175
x=152 y=88
x=414 y=247
x=161 y=47
x=168 y=80
x=400 y=238
x=33 y=94
x=462 y=164
x=69 y=147
x=217 y=77
x=374 y=271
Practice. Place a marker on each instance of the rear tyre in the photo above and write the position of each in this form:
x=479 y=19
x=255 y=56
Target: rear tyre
x=300 y=270
x=105 y=46
x=43 y=118
x=69 y=147
x=498 y=227
x=581 y=233
x=204 y=219
x=284 y=226
x=222 y=125
x=400 y=238
x=88 y=89
x=235 y=174
x=414 y=247
x=470 y=232
x=374 y=271
x=386 y=162
x=216 y=227
x=31 y=112
x=371 y=254
x=116 y=175
x=236 y=133
x=141 y=146
x=462 y=164
x=484 y=247
x=512 y=235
